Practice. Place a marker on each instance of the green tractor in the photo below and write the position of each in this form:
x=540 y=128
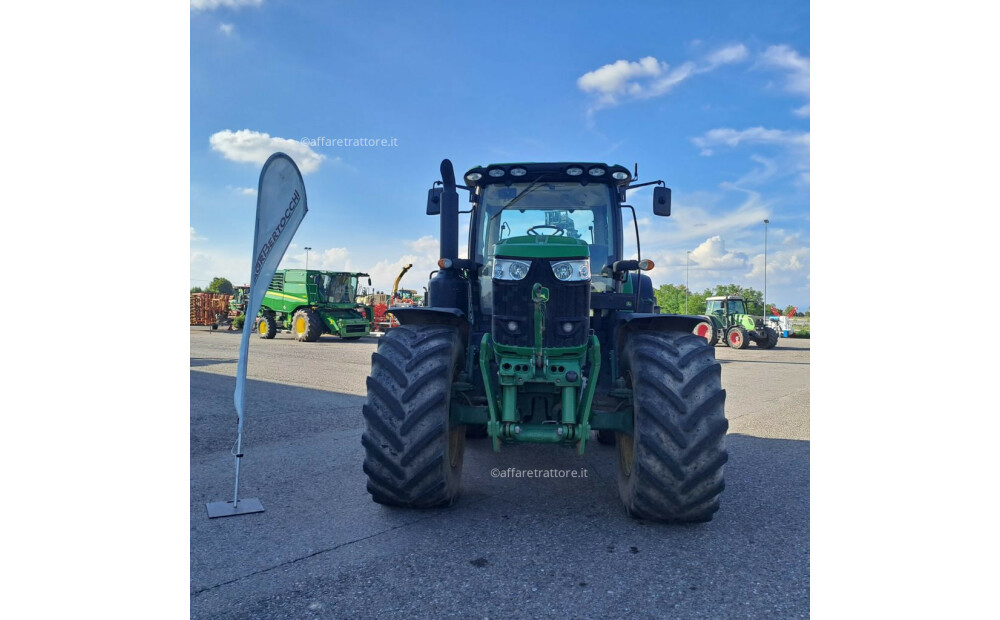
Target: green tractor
x=544 y=334
x=311 y=303
x=727 y=320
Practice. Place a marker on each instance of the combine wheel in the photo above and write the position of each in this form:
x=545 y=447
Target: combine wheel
x=413 y=457
x=671 y=467
x=306 y=326
x=267 y=326
x=737 y=338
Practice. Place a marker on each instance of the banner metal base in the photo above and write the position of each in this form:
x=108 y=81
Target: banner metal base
x=227 y=509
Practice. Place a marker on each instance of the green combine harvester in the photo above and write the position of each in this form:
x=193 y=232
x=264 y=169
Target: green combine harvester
x=727 y=320
x=311 y=303
x=545 y=333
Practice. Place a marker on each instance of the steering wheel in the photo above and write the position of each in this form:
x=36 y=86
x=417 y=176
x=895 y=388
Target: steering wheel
x=559 y=230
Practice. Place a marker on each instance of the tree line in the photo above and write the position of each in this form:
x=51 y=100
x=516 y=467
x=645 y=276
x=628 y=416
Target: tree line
x=218 y=285
x=671 y=299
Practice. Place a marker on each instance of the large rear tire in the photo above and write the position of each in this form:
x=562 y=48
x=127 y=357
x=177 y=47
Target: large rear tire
x=772 y=338
x=267 y=326
x=671 y=467
x=413 y=457
x=306 y=326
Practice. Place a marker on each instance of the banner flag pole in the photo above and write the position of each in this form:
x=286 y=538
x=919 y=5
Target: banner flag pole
x=281 y=205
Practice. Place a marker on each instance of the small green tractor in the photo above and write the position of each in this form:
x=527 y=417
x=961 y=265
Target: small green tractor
x=727 y=320
x=311 y=303
x=543 y=334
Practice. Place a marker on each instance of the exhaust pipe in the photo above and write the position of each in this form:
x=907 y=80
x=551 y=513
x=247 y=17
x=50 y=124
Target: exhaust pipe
x=449 y=212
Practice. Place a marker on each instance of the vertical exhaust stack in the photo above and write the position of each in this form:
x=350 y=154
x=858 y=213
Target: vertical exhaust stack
x=449 y=212
x=448 y=289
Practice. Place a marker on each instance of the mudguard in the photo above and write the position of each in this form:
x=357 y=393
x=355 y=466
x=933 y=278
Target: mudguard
x=420 y=315
x=634 y=321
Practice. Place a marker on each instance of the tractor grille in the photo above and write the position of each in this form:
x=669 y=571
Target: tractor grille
x=569 y=304
x=354 y=329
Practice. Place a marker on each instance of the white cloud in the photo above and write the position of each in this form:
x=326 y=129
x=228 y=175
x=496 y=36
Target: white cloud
x=226 y=29
x=255 y=147
x=195 y=236
x=754 y=135
x=209 y=5
x=245 y=191
x=785 y=58
x=624 y=80
x=614 y=79
x=785 y=266
x=712 y=254
x=803 y=111
x=726 y=55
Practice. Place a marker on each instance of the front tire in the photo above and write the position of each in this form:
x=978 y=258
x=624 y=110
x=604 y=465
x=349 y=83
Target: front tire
x=306 y=326
x=267 y=326
x=671 y=467
x=737 y=337
x=413 y=457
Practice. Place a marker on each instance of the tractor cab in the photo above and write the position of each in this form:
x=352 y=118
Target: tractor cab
x=725 y=306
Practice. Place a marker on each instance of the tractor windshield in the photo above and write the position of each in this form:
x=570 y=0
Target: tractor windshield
x=736 y=306
x=564 y=209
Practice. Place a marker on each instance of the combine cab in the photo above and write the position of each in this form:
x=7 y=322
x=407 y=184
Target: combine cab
x=545 y=333
x=727 y=321
x=312 y=303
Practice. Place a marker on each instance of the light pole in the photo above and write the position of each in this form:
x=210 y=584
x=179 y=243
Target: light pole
x=307 y=258
x=687 y=279
x=766 y=222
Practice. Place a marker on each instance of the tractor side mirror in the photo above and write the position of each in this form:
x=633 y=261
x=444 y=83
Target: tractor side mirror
x=661 y=201
x=434 y=200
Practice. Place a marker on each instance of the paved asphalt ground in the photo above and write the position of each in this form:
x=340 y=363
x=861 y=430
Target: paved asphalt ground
x=510 y=547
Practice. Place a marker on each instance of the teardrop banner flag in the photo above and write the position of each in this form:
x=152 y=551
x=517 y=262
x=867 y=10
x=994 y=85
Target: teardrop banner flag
x=281 y=205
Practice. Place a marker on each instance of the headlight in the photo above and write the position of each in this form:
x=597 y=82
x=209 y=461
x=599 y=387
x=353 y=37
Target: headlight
x=571 y=270
x=505 y=269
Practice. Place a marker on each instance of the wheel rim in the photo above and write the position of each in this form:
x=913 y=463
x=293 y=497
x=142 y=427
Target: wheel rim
x=300 y=325
x=262 y=327
x=735 y=338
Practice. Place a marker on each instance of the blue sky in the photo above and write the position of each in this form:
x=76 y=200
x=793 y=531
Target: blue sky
x=713 y=100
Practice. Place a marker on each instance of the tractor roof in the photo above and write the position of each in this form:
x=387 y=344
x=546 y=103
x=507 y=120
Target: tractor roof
x=556 y=171
x=725 y=298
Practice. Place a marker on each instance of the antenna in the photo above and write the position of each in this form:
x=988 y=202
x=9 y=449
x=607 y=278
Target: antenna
x=635 y=177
